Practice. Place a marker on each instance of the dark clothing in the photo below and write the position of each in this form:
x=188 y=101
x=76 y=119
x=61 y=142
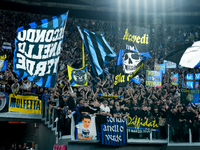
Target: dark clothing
x=85 y=109
x=189 y=116
x=134 y=113
x=143 y=114
x=117 y=112
x=71 y=103
x=62 y=103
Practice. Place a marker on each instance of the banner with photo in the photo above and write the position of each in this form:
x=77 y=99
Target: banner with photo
x=3 y=61
x=159 y=67
x=87 y=130
x=175 y=79
x=189 y=96
x=37 y=50
x=113 y=132
x=169 y=64
x=4 y=101
x=25 y=104
x=189 y=76
x=142 y=124
x=153 y=78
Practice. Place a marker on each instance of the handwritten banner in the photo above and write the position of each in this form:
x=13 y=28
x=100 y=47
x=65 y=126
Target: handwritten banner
x=139 y=123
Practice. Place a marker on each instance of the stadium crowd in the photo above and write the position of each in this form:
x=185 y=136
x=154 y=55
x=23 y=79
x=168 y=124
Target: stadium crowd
x=136 y=101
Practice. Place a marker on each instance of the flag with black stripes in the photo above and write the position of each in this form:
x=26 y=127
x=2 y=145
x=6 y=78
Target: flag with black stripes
x=100 y=52
x=37 y=50
x=113 y=132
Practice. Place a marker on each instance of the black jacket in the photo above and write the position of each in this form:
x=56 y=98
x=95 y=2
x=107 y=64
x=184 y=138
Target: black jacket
x=71 y=103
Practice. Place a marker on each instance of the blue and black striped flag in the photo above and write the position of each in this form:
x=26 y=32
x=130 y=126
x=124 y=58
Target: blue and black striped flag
x=100 y=52
x=37 y=50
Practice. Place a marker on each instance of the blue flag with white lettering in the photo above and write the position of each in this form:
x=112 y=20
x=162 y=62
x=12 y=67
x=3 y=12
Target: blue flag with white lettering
x=37 y=50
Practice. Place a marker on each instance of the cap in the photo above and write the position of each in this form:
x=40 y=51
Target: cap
x=65 y=96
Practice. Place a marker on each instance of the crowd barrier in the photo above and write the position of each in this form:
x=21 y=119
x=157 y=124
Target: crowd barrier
x=133 y=136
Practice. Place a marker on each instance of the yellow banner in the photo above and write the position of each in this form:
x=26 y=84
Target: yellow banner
x=25 y=104
x=78 y=77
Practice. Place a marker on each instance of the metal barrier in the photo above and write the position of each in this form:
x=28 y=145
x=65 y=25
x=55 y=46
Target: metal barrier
x=138 y=138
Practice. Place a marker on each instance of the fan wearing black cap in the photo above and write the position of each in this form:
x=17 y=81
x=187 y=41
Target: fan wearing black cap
x=134 y=112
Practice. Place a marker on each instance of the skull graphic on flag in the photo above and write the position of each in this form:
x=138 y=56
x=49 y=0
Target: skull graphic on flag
x=131 y=60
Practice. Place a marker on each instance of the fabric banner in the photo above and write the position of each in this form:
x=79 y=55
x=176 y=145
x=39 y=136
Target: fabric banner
x=136 y=80
x=175 y=79
x=197 y=76
x=6 y=46
x=189 y=76
x=123 y=70
x=141 y=124
x=37 y=50
x=87 y=130
x=189 y=96
x=138 y=38
x=159 y=67
x=169 y=64
x=25 y=104
x=190 y=84
x=3 y=61
x=77 y=77
x=108 y=96
x=4 y=101
x=99 y=51
x=197 y=85
x=154 y=78
x=113 y=132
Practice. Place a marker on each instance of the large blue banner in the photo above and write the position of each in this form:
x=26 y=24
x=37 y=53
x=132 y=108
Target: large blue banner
x=37 y=50
x=113 y=132
x=189 y=96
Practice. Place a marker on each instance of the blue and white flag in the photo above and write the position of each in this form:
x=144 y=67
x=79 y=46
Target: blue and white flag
x=3 y=61
x=197 y=76
x=169 y=64
x=6 y=46
x=106 y=70
x=100 y=52
x=136 y=80
x=189 y=76
x=189 y=84
x=37 y=50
